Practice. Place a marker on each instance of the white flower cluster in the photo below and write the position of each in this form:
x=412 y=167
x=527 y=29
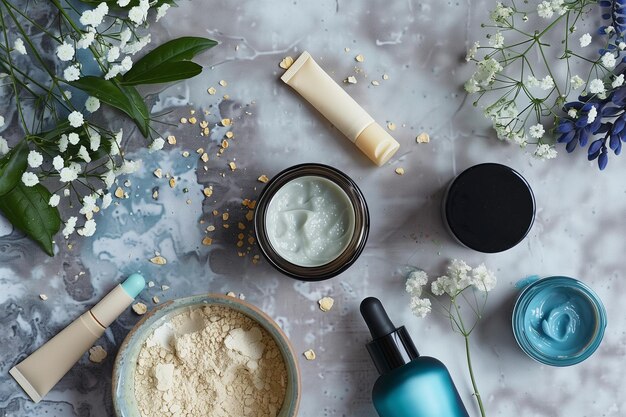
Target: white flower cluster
x=484 y=75
x=503 y=115
x=460 y=276
x=546 y=9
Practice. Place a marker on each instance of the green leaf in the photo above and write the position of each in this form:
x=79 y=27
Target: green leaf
x=168 y=71
x=27 y=209
x=160 y=60
x=113 y=3
x=12 y=166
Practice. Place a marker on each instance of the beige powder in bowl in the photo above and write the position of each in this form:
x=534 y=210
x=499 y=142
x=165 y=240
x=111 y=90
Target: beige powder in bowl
x=210 y=361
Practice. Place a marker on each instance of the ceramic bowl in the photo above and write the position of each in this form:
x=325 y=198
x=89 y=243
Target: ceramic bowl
x=123 y=391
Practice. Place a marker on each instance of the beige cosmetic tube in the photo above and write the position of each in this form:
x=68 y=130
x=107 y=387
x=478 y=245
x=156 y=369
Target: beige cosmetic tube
x=319 y=89
x=39 y=372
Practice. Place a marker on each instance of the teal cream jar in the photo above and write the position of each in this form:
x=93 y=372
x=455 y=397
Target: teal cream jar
x=558 y=321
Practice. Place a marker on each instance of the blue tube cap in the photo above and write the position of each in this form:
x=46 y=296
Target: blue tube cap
x=133 y=285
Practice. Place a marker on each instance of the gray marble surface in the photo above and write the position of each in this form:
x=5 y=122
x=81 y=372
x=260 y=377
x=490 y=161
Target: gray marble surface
x=579 y=230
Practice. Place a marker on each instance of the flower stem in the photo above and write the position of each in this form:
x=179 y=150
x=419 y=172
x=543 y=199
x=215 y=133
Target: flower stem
x=471 y=372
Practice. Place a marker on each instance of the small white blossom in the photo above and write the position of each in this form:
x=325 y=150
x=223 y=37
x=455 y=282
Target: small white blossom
x=88 y=229
x=58 y=162
x=577 y=82
x=35 y=159
x=84 y=154
x=547 y=83
x=128 y=167
x=156 y=145
x=30 y=179
x=545 y=151
x=134 y=47
x=125 y=36
x=89 y=204
x=63 y=140
x=113 y=54
x=67 y=174
x=127 y=63
x=86 y=39
x=108 y=178
x=138 y=14
x=484 y=75
x=437 y=287
x=471 y=53
x=73 y=138
x=70 y=226
x=500 y=13
x=123 y=3
x=19 y=47
x=420 y=306
x=483 y=279
x=76 y=119
x=609 y=30
x=112 y=72
x=536 y=131
x=415 y=282
x=94 y=17
x=54 y=200
x=618 y=81
x=596 y=86
x=572 y=113
x=116 y=143
x=592 y=114
x=66 y=192
x=65 y=51
x=67 y=94
x=497 y=40
x=531 y=81
x=557 y=7
x=608 y=60
x=161 y=10
x=92 y=104
x=71 y=73
x=621 y=46
x=106 y=201
x=585 y=40
x=94 y=140
x=4 y=146
x=544 y=10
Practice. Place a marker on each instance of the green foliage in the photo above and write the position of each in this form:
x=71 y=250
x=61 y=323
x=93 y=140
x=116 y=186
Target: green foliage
x=12 y=166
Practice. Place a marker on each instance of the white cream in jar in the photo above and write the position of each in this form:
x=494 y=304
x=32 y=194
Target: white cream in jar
x=310 y=221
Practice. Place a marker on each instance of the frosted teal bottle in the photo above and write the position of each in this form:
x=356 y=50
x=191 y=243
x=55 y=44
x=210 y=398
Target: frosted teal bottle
x=410 y=385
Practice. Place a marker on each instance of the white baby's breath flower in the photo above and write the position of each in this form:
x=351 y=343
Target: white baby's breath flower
x=558 y=7
x=161 y=10
x=484 y=75
x=483 y=279
x=596 y=86
x=156 y=145
x=544 y=151
x=19 y=47
x=73 y=138
x=128 y=167
x=547 y=83
x=58 y=163
x=70 y=226
x=63 y=140
x=65 y=51
x=106 y=201
x=4 y=146
x=94 y=140
x=125 y=36
x=500 y=13
x=609 y=30
x=86 y=39
x=89 y=204
x=497 y=40
x=608 y=60
x=127 y=63
x=471 y=53
x=585 y=40
x=621 y=46
x=67 y=94
x=544 y=10
x=618 y=81
x=54 y=200
x=116 y=143
x=108 y=178
x=67 y=174
x=134 y=47
x=138 y=14
x=438 y=287
x=577 y=82
x=76 y=119
x=113 y=54
x=30 y=179
x=420 y=306
x=123 y=3
x=35 y=159
x=536 y=131
x=532 y=81
x=88 y=229
x=112 y=72
x=84 y=154
x=572 y=113
x=92 y=104
x=414 y=283
x=592 y=114
x=94 y=17
x=71 y=73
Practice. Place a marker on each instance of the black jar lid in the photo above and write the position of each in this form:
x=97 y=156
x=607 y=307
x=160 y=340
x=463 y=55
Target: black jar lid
x=489 y=208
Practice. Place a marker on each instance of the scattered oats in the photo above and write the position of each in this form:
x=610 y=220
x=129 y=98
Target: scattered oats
x=208 y=191
x=171 y=139
x=140 y=309
x=155 y=194
x=185 y=154
x=158 y=260
x=351 y=79
x=206 y=131
x=224 y=144
x=422 y=138
x=286 y=62
x=250 y=215
x=225 y=216
x=391 y=126
x=210 y=228
x=192 y=111
x=127 y=183
x=374 y=82
x=231 y=294
x=256 y=259
x=203 y=124
x=205 y=157
x=43 y=297
x=188 y=201
x=215 y=212
x=240 y=243
x=172 y=182
x=193 y=120
x=385 y=77
x=240 y=236
x=150 y=284
x=400 y=171
x=241 y=226
x=226 y=122
x=97 y=354
x=155 y=300
x=326 y=303
x=165 y=287
x=212 y=90
x=119 y=192
x=199 y=151
x=226 y=225
x=359 y=58
x=263 y=178
x=310 y=355
x=207 y=241
x=230 y=135
x=183 y=120
x=251 y=240
x=346 y=49
x=158 y=173
x=232 y=166
x=226 y=96
x=223 y=83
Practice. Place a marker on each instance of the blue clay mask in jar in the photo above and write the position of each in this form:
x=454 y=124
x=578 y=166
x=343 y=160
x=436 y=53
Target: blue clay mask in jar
x=558 y=321
x=311 y=222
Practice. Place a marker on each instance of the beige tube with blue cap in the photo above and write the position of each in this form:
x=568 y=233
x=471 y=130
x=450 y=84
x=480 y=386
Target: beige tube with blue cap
x=39 y=372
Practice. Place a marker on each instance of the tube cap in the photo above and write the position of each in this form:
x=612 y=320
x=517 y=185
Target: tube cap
x=377 y=144
x=391 y=347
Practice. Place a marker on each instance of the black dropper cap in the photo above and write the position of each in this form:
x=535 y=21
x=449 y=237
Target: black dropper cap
x=391 y=347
